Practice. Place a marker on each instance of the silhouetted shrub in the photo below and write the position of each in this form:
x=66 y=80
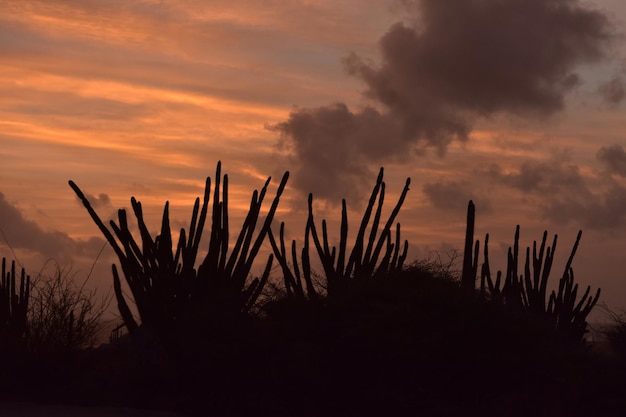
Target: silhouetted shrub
x=615 y=333
x=63 y=316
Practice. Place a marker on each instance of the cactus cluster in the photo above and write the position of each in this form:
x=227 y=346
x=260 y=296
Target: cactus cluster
x=528 y=291
x=170 y=294
x=373 y=255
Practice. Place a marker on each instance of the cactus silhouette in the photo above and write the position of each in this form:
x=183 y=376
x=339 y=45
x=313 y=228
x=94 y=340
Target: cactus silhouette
x=528 y=291
x=170 y=294
x=14 y=298
x=372 y=256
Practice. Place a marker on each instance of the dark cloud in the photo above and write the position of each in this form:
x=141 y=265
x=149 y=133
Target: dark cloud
x=459 y=62
x=565 y=195
x=546 y=178
x=613 y=92
x=614 y=159
x=333 y=146
x=602 y=212
x=485 y=56
x=453 y=196
x=22 y=233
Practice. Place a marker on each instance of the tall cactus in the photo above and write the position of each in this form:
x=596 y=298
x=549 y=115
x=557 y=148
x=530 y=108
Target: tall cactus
x=13 y=305
x=168 y=290
x=470 y=253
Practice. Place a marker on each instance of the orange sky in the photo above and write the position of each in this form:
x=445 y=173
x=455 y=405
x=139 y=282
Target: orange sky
x=143 y=98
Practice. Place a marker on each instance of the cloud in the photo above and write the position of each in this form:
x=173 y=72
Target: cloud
x=613 y=92
x=614 y=159
x=456 y=65
x=544 y=177
x=22 y=233
x=602 y=212
x=103 y=200
x=566 y=196
x=453 y=195
x=334 y=147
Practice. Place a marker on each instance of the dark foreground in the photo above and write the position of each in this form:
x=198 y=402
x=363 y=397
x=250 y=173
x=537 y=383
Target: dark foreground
x=411 y=345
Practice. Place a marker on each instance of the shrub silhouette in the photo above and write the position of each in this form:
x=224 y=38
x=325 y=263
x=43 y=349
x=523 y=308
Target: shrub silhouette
x=170 y=294
x=63 y=317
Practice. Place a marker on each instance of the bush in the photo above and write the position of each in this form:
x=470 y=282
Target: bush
x=62 y=315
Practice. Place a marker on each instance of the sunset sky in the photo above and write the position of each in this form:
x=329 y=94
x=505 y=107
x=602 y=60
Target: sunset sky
x=516 y=104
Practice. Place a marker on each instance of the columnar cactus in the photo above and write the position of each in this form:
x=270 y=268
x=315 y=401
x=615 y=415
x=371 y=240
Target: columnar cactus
x=13 y=305
x=470 y=258
x=370 y=258
x=528 y=291
x=168 y=291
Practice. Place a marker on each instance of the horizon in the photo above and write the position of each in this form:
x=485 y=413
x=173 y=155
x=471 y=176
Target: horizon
x=143 y=99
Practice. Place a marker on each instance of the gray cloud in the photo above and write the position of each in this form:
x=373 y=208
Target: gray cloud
x=603 y=212
x=546 y=178
x=438 y=77
x=566 y=196
x=22 y=233
x=453 y=195
x=613 y=92
x=614 y=159
x=332 y=147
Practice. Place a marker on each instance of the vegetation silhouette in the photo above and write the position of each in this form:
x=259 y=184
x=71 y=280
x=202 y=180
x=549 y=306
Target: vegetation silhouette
x=375 y=336
x=364 y=262
x=174 y=299
x=563 y=311
x=14 y=297
x=63 y=316
x=45 y=323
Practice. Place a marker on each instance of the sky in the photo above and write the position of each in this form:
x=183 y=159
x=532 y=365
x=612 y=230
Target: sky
x=518 y=105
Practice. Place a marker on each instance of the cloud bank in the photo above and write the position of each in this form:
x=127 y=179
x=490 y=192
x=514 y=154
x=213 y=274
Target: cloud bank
x=613 y=92
x=567 y=196
x=456 y=64
x=21 y=233
x=614 y=159
x=454 y=196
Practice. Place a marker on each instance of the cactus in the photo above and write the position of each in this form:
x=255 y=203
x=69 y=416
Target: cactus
x=170 y=294
x=378 y=257
x=528 y=291
x=293 y=280
x=13 y=305
x=568 y=317
x=470 y=260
